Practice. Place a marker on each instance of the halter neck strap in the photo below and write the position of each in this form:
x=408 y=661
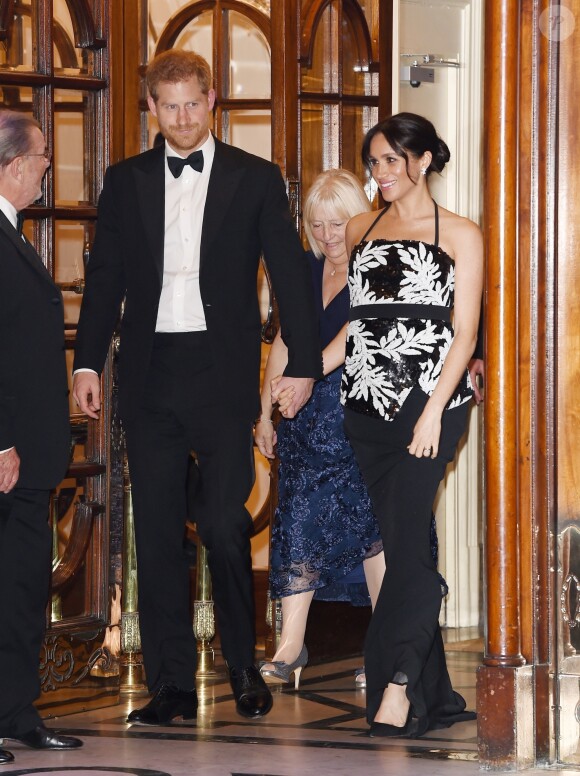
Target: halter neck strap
x=374 y=223
x=384 y=210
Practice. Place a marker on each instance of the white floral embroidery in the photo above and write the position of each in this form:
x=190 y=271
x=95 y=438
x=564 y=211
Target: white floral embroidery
x=384 y=356
x=403 y=340
x=373 y=255
x=360 y=290
x=421 y=283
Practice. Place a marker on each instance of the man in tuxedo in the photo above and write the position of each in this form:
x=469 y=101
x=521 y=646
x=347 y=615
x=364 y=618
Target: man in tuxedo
x=180 y=232
x=34 y=436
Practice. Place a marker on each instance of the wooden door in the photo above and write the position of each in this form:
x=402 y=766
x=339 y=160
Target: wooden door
x=55 y=65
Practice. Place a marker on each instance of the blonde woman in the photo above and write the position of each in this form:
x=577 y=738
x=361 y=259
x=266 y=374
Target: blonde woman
x=324 y=527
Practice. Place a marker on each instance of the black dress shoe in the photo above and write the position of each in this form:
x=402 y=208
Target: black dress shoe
x=253 y=698
x=168 y=703
x=42 y=738
x=6 y=757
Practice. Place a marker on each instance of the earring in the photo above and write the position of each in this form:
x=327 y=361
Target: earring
x=423 y=171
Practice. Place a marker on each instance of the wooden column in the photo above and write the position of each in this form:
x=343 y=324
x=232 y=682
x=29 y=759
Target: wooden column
x=567 y=325
x=503 y=646
x=514 y=688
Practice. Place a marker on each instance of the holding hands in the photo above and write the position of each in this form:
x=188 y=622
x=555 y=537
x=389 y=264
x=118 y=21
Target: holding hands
x=264 y=431
x=284 y=396
x=289 y=393
x=291 y=403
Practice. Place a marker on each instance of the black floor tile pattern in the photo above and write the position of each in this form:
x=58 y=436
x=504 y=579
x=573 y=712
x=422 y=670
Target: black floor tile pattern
x=319 y=730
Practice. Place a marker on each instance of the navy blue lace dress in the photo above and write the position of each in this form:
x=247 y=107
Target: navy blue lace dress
x=324 y=526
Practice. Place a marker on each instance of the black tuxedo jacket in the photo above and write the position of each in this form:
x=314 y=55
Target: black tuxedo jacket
x=246 y=213
x=34 y=411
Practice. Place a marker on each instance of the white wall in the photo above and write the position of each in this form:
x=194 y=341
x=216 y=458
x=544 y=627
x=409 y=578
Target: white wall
x=453 y=31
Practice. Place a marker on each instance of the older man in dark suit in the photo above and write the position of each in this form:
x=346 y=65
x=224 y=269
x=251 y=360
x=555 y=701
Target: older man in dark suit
x=179 y=236
x=34 y=436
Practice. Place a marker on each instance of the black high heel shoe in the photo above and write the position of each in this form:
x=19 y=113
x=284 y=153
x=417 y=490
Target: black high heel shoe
x=384 y=730
x=408 y=730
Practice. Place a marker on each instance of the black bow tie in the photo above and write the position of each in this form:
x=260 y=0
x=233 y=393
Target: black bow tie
x=176 y=163
x=19 y=222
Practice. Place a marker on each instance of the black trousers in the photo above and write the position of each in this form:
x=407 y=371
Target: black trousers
x=404 y=631
x=25 y=552
x=181 y=413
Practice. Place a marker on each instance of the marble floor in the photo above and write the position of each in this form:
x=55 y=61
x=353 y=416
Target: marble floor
x=318 y=731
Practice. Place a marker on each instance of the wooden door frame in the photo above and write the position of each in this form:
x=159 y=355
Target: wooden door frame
x=522 y=187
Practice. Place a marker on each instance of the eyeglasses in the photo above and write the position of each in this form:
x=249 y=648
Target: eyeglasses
x=46 y=154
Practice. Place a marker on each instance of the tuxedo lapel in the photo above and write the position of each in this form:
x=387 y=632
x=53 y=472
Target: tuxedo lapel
x=25 y=250
x=150 y=182
x=225 y=177
x=224 y=180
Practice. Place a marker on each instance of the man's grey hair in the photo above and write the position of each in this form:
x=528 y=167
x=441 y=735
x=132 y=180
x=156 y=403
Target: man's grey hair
x=15 y=135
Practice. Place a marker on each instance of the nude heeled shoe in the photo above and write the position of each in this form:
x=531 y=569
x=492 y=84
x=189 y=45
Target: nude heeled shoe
x=281 y=672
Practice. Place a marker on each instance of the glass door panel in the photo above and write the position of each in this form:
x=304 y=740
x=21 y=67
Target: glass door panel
x=338 y=99
x=319 y=138
x=321 y=74
x=356 y=121
x=16 y=97
x=198 y=36
x=69 y=59
x=249 y=59
x=250 y=130
x=72 y=157
x=17 y=51
x=71 y=242
x=355 y=63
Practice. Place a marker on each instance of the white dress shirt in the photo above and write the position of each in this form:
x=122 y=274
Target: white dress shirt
x=180 y=305
x=9 y=211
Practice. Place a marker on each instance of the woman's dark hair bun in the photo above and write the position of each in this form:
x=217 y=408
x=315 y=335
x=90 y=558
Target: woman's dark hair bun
x=441 y=155
x=409 y=133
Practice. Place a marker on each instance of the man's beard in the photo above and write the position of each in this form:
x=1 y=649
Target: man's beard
x=179 y=143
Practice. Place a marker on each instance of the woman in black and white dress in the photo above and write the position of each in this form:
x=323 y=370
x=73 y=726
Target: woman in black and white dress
x=406 y=392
